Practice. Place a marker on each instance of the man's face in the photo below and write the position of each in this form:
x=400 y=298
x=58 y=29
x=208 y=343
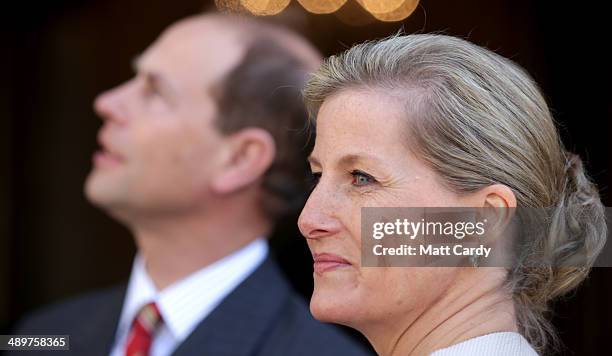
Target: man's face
x=159 y=146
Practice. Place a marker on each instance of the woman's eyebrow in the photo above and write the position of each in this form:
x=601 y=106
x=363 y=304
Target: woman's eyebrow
x=351 y=159
x=354 y=158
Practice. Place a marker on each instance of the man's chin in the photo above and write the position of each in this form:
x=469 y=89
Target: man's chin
x=99 y=191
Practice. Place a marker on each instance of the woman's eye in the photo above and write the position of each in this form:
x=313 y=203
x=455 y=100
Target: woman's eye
x=361 y=179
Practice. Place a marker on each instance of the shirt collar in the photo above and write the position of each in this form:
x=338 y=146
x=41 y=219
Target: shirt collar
x=185 y=303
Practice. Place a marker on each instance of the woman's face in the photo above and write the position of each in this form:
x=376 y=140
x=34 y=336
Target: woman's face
x=362 y=159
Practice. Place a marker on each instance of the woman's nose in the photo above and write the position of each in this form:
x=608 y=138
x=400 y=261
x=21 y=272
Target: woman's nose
x=319 y=216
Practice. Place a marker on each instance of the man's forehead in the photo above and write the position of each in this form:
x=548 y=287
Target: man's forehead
x=194 y=47
x=211 y=25
x=203 y=35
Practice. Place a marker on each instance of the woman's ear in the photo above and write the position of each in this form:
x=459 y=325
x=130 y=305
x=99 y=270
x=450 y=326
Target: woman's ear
x=251 y=153
x=503 y=201
x=498 y=196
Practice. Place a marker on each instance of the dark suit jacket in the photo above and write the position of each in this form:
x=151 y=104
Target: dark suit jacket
x=262 y=316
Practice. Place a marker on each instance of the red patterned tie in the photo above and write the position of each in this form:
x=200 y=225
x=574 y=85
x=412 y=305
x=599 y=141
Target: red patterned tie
x=142 y=331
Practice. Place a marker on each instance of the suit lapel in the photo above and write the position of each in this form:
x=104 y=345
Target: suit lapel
x=96 y=335
x=237 y=325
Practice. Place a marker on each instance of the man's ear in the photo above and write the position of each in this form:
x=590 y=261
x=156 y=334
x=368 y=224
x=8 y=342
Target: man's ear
x=251 y=153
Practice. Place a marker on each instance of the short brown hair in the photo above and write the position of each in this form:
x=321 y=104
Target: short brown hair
x=264 y=90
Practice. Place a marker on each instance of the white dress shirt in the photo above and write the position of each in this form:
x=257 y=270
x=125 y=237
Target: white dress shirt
x=185 y=303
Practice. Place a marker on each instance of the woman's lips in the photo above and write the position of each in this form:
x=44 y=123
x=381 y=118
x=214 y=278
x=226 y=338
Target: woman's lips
x=324 y=262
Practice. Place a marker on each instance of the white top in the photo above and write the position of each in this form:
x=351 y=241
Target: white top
x=185 y=303
x=498 y=344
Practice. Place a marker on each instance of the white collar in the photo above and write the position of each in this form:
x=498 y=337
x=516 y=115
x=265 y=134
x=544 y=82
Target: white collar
x=185 y=303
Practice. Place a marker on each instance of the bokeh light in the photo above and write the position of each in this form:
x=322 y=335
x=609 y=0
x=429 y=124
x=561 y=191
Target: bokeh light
x=358 y=12
x=390 y=10
x=380 y=6
x=322 y=6
x=265 y=7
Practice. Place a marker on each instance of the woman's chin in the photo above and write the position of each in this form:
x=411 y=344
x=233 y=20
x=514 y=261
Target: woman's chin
x=331 y=307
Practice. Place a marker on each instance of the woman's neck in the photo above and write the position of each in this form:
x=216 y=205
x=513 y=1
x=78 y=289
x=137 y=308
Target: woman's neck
x=473 y=307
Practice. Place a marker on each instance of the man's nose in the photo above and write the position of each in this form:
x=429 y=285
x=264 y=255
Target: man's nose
x=112 y=105
x=319 y=217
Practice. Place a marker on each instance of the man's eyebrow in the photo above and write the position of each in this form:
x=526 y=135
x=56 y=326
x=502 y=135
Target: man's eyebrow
x=135 y=64
x=158 y=81
x=313 y=160
x=154 y=78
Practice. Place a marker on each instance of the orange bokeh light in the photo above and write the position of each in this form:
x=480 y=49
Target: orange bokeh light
x=390 y=10
x=322 y=6
x=382 y=10
x=265 y=7
x=380 y=6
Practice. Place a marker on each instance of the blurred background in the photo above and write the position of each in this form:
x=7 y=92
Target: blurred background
x=58 y=55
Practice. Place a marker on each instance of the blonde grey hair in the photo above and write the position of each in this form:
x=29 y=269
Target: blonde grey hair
x=479 y=119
